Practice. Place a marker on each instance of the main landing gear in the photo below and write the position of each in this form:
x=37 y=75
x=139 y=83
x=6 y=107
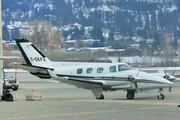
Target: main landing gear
x=101 y=97
x=130 y=94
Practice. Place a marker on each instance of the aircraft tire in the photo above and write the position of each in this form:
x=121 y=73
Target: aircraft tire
x=15 y=89
x=160 y=97
x=2 y=98
x=130 y=95
x=9 y=98
x=101 y=98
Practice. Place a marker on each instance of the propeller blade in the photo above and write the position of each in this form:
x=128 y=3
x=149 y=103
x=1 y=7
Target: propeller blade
x=173 y=72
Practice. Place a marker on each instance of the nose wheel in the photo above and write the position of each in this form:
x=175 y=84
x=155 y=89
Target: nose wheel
x=160 y=97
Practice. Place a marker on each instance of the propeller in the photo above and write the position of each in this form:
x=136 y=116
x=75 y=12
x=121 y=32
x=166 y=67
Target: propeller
x=166 y=76
x=135 y=80
x=169 y=76
x=173 y=72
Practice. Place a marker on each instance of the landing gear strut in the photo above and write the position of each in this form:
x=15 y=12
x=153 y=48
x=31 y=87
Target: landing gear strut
x=160 y=95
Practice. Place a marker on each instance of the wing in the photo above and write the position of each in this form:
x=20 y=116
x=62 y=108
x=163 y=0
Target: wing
x=150 y=70
x=82 y=83
x=86 y=84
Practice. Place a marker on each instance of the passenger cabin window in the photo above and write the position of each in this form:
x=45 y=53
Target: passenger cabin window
x=100 y=70
x=89 y=70
x=124 y=67
x=79 y=71
x=112 y=69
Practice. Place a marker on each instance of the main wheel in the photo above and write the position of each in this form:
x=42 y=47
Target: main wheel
x=2 y=97
x=9 y=98
x=101 y=97
x=130 y=95
x=15 y=88
x=160 y=97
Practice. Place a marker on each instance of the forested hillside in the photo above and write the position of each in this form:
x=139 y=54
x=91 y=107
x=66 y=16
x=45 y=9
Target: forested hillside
x=125 y=15
x=128 y=17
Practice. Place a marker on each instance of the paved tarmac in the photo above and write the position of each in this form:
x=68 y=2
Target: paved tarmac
x=65 y=102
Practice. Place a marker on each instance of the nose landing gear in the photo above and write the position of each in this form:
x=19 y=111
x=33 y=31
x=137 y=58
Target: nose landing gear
x=160 y=97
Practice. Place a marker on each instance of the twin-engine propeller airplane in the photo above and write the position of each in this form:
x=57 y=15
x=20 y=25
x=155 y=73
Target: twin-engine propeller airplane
x=97 y=77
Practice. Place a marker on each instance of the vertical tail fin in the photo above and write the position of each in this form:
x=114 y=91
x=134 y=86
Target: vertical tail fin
x=32 y=55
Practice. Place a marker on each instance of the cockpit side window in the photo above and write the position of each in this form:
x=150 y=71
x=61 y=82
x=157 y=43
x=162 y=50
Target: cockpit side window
x=124 y=67
x=112 y=69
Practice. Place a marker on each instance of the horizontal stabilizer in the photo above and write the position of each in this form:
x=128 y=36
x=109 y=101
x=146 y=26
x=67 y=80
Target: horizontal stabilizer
x=9 y=57
x=40 y=72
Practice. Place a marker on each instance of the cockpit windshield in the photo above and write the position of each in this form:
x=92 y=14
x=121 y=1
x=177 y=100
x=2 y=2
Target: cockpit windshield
x=123 y=67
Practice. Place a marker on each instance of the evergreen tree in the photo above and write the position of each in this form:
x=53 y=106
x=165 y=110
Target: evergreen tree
x=97 y=44
x=82 y=31
x=176 y=37
x=5 y=35
x=15 y=34
x=111 y=36
x=76 y=33
x=97 y=33
x=142 y=33
x=157 y=41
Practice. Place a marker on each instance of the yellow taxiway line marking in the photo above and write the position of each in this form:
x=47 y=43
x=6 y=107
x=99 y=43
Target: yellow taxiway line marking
x=81 y=113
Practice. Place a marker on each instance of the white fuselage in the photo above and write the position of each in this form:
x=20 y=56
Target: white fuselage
x=112 y=80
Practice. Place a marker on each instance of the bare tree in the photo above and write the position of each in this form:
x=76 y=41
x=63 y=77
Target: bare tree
x=168 y=51
x=43 y=35
x=81 y=43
